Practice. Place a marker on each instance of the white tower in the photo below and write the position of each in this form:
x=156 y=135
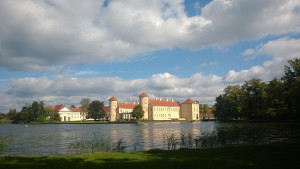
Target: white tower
x=144 y=99
x=113 y=102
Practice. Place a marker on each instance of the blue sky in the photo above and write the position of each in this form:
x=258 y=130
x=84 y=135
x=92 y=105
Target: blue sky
x=62 y=51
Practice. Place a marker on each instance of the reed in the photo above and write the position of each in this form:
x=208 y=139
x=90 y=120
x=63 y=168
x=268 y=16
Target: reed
x=5 y=140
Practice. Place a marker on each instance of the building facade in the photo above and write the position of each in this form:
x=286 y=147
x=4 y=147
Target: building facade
x=68 y=114
x=190 y=110
x=154 y=109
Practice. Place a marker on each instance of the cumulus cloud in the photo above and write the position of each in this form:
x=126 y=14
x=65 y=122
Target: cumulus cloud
x=64 y=89
x=39 y=35
x=68 y=90
x=279 y=51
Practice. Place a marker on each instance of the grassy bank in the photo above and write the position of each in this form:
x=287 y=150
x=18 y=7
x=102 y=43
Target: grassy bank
x=5 y=121
x=278 y=155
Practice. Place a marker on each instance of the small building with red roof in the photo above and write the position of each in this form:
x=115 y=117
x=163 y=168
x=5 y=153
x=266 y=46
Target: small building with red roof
x=189 y=110
x=68 y=114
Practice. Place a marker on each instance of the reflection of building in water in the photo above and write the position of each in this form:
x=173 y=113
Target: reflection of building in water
x=114 y=134
x=155 y=109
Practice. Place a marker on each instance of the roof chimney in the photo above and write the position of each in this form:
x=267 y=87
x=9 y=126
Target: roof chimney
x=172 y=100
x=159 y=99
x=167 y=99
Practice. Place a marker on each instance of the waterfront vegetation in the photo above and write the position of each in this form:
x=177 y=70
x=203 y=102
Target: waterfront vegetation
x=258 y=100
x=4 y=143
x=276 y=155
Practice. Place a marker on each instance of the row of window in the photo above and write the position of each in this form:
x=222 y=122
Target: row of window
x=76 y=117
x=162 y=115
x=166 y=109
x=125 y=110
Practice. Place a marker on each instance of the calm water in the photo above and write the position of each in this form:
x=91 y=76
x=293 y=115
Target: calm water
x=54 y=139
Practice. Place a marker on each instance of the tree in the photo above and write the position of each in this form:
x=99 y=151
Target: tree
x=291 y=81
x=255 y=97
x=275 y=102
x=229 y=106
x=291 y=72
x=24 y=115
x=138 y=112
x=85 y=104
x=12 y=114
x=96 y=110
x=72 y=106
x=55 y=116
x=262 y=100
x=2 y=116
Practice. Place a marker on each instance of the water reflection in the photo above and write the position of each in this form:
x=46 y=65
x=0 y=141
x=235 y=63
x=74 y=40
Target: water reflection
x=54 y=139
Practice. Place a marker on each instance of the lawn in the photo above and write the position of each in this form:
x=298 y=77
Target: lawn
x=278 y=155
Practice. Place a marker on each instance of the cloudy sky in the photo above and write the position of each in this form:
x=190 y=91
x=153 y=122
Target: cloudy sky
x=60 y=51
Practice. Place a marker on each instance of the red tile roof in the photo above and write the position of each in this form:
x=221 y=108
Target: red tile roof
x=164 y=103
x=75 y=109
x=188 y=101
x=127 y=105
x=209 y=111
x=106 y=108
x=113 y=99
x=58 y=107
x=143 y=95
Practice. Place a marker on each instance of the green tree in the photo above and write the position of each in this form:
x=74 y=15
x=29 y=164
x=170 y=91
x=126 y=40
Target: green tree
x=24 y=115
x=275 y=102
x=85 y=104
x=2 y=116
x=291 y=72
x=55 y=117
x=12 y=114
x=255 y=97
x=291 y=81
x=96 y=110
x=229 y=106
x=138 y=112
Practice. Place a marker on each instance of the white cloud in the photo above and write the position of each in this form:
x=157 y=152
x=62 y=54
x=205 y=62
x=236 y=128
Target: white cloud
x=39 y=35
x=279 y=50
x=63 y=89
x=68 y=90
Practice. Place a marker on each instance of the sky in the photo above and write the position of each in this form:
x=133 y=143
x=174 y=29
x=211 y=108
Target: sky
x=62 y=51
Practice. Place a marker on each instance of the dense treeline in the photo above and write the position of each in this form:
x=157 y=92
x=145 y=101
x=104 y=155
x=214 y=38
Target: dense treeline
x=255 y=99
x=35 y=112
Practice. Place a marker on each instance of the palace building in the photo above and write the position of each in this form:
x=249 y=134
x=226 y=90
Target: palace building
x=68 y=114
x=154 y=109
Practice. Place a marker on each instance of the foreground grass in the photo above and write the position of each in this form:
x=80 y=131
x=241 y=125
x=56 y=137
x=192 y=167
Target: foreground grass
x=279 y=155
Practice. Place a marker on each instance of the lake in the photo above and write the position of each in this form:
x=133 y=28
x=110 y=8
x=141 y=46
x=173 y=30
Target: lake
x=55 y=139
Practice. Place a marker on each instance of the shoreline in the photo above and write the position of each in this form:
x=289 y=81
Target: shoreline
x=274 y=155
x=120 y=122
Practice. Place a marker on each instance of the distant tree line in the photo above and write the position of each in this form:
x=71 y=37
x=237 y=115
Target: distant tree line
x=255 y=99
x=35 y=112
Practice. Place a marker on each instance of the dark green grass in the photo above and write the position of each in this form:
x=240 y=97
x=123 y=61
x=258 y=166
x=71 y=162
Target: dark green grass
x=278 y=155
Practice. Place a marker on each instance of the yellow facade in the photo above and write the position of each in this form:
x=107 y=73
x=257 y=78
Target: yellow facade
x=155 y=109
x=164 y=112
